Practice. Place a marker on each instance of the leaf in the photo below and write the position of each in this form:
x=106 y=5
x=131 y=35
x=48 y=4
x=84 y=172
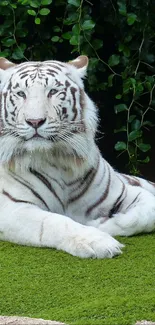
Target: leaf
x=67 y=35
x=31 y=12
x=21 y=32
x=122 y=8
x=56 y=29
x=131 y=18
x=97 y=43
x=114 y=60
x=149 y=123
x=135 y=125
x=93 y=62
x=8 y=42
x=13 y=5
x=128 y=38
x=74 y=40
x=148 y=85
x=132 y=81
x=131 y=118
x=44 y=11
x=5 y=53
x=120 y=108
x=34 y=4
x=135 y=135
x=37 y=21
x=110 y=80
x=144 y=147
x=122 y=129
x=145 y=161
x=18 y=54
x=119 y=96
x=71 y=19
x=55 y=39
x=88 y=24
x=75 y=29
x=119 y=146
x=75 y=3
x=126 y=86
x=150 y=58
x=4 y=3
x=46 y=2
x=121 y=47
x=126 y=51
x=24 y=2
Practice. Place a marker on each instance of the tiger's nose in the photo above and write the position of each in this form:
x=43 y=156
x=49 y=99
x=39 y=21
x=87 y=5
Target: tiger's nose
x=35 y=123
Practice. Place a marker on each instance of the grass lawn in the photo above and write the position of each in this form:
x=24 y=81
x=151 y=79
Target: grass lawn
x=49 y=284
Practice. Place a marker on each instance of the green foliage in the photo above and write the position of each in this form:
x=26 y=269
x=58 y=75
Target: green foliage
x=118 y=36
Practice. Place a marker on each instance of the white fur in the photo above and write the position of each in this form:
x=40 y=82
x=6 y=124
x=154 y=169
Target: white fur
x=62 y=223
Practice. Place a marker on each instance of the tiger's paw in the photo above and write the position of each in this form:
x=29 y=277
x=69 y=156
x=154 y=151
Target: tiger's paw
x=92 y=243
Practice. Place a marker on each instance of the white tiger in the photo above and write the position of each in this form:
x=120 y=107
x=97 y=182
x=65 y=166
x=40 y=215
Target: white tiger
x=56 y=190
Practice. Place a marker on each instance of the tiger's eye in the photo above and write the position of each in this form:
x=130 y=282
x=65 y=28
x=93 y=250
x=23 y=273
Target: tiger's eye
x=21 y=94
x=52 y=92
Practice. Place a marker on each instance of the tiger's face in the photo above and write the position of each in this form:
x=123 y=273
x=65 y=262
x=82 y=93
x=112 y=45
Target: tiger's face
x=43 y=104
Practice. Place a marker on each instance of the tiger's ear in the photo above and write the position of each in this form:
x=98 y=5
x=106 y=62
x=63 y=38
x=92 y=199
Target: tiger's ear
x=4 y=70
x=5 y=64
x=81 y=63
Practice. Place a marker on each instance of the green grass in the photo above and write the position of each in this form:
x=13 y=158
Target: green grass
x=49 y=284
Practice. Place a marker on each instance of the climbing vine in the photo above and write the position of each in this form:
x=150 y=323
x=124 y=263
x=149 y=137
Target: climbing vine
x=119 y=38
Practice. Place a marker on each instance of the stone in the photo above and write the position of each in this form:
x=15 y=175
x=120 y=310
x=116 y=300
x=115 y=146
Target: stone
x=145 y=322
x=15 y=320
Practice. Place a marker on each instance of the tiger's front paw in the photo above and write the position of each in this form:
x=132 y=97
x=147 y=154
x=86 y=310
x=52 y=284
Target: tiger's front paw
x=92 y=243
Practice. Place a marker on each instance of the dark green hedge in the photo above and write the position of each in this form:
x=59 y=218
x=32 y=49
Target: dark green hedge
x=119 y=38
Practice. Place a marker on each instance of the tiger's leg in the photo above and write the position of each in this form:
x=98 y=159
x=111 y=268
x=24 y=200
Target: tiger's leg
x=136 y=214
x=27 y=224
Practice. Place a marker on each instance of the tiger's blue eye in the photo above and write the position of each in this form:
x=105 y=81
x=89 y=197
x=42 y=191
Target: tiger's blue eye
x=21 y=94
x=52 y=92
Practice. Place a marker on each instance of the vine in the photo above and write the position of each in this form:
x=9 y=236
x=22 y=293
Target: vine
x=117 y=35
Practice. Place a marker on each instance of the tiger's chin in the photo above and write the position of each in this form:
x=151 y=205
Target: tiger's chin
x=38 y=144
x=12 y=148
x=37 y=150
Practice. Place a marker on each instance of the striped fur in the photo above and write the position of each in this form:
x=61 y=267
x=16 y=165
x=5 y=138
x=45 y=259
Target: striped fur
x=56 y=190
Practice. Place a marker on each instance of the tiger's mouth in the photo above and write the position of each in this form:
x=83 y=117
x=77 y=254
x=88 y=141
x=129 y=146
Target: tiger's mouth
x=38 y=137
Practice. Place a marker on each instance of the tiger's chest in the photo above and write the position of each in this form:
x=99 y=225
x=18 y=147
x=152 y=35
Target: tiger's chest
x=50 y=189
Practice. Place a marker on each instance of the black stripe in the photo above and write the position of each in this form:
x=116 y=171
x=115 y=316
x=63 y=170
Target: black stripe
x=55 y=67
x=55 y=180
x=135 y=199
x=88 y=179
x=51 y=71
x=48 y=184
x=16 y=86
x=55 y=63
x=74 y=109
x=25 y=75
x=132 y=180
x=18 y=179
x=103 y=197
x=117 y=203
x=5 y=108
x=14 y=199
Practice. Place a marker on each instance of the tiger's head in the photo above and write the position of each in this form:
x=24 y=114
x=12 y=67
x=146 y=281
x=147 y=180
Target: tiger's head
x=43 y=107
